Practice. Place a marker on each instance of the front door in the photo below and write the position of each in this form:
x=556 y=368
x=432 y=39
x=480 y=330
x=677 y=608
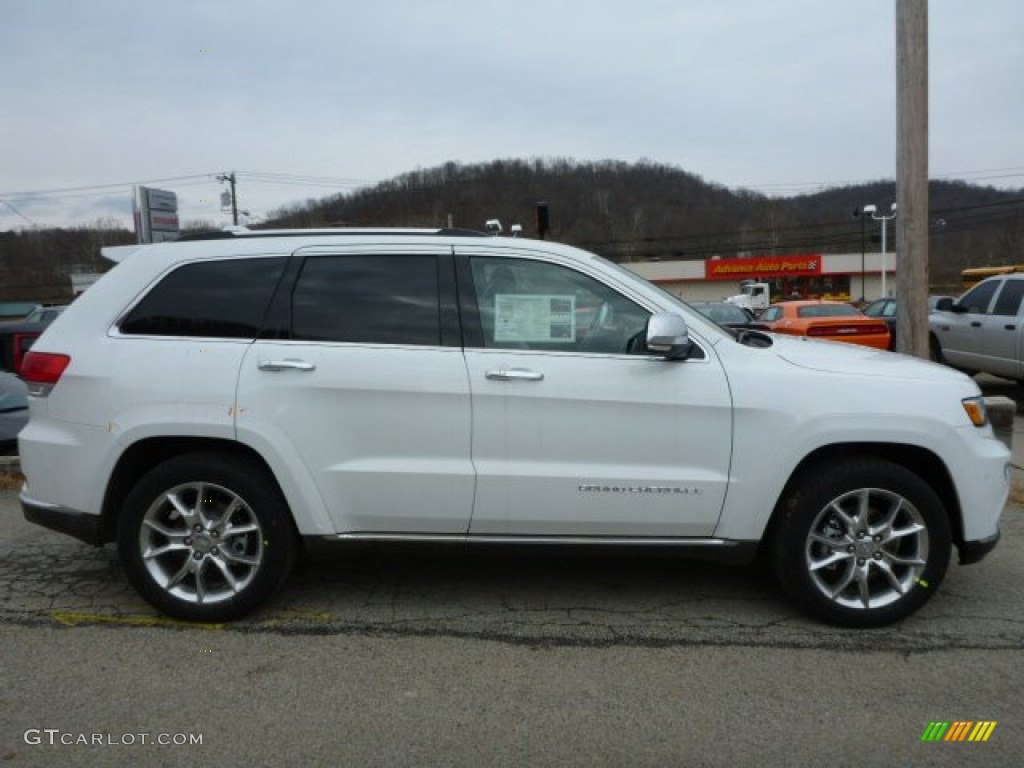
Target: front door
x=575 y=430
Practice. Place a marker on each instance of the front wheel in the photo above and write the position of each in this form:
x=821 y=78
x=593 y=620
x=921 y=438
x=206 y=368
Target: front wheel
x=206 y=537
x=862 y=543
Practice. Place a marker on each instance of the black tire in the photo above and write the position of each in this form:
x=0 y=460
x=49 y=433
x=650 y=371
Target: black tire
x=935 y=350
x=213 y=561
x=853 y=572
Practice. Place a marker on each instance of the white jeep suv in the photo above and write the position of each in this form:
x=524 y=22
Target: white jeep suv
x=211 y=403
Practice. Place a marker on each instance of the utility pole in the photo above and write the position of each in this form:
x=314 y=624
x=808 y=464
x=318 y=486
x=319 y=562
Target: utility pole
x=230 y=178
x=912 y=176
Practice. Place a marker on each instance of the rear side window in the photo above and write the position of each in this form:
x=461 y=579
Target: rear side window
x=219 y=299
x=381 y=299
x=1009 y=299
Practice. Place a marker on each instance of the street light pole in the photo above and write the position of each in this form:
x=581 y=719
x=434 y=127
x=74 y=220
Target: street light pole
x=860 y=213
x=873 y=210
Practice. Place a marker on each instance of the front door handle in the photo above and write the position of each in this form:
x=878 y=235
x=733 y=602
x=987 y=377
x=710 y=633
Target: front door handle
x=288 y=364
x=514 y=374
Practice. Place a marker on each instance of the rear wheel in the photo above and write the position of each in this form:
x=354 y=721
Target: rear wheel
x=206 y=537
x=862 y=543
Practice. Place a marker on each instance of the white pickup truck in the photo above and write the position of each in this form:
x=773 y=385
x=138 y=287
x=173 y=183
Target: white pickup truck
x=754 y=297
x=983 y=330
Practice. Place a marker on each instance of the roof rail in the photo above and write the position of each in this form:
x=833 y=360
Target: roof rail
x=240 y=232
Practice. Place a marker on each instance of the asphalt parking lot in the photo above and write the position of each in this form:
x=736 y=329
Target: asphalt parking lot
x=448 y=656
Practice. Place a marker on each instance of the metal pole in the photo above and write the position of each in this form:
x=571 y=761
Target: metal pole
x=884 y=220
x=861 y=214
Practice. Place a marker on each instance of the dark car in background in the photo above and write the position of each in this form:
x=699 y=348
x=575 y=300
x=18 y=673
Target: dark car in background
x=45 y=314
x=886 y=309
x=13 y=412
x=724 y=313
x=16 y=338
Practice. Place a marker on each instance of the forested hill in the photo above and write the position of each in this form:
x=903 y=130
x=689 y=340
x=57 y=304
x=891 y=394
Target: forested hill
x=633 y=212
x=627 y=212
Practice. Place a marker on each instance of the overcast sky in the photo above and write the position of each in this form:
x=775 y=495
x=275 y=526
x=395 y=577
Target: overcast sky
x=304 y=99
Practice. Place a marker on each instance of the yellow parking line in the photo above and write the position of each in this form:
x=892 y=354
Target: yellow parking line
x=75 y=618
x=283 y=619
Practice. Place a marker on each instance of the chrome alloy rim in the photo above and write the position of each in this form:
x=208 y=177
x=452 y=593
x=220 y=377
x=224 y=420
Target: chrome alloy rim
x=201 y=543
x=867 y=548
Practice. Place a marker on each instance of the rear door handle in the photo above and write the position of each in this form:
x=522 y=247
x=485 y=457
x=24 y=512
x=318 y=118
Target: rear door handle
x=288 y=364
x=514 y=374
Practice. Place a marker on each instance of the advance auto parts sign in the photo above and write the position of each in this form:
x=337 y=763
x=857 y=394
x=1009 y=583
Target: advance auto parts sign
x=762 y=266
x=535 y=318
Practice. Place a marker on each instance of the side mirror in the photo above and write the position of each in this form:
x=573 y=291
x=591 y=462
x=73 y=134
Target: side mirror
x=668 y=336
x=944 y=304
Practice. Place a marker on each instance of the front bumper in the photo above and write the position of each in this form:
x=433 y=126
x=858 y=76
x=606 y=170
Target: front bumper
x=82 y=526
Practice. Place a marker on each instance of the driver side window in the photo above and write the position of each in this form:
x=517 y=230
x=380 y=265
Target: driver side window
x=534 y=305
x=978 y=298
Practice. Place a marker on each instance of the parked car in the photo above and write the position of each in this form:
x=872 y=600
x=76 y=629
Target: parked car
x=45 y=314
x=13 y=412
x=886 y=309
x=15 y=341
x=211 y=403
x=825 y=320
x=983 y=330
x=724 y=313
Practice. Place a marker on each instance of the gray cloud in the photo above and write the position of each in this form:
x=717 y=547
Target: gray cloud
x=776 y=96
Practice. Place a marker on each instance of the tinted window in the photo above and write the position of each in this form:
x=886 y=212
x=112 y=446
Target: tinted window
x=979 y=297
x=534 y=305
x=826 y=310
x=770 y=315
x=225 y=299
x=1009 y=299
x=881 y=308
x=368 y=299
x=723 y=313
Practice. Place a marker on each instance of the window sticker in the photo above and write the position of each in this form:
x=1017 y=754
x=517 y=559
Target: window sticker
x=534 y=318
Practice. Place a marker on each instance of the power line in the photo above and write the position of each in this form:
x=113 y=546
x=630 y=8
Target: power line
x=64 y=191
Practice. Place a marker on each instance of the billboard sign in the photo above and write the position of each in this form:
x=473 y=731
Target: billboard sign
x=156 y=215
x=762 y=267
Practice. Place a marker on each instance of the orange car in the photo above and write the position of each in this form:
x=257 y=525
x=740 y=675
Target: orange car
x=829 y=320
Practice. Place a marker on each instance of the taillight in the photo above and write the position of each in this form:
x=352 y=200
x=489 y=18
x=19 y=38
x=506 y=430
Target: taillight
x=846 y=330
x=42 y=370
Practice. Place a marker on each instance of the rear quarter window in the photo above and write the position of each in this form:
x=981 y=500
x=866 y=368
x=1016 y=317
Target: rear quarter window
x=220 y=299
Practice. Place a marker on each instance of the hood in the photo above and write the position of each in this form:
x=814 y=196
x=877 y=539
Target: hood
x=857 y=360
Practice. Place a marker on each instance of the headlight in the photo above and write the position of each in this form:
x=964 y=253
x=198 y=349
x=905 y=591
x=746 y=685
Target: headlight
x=975 y=407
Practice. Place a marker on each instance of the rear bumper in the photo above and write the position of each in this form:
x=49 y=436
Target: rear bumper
x=82 y=526
x=975 y=551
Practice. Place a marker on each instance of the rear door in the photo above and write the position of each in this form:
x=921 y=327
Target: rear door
x=575 y=430
x=362 y=388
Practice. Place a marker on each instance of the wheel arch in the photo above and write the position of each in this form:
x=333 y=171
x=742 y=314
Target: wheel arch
x=922 y=462
x=142 y=456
